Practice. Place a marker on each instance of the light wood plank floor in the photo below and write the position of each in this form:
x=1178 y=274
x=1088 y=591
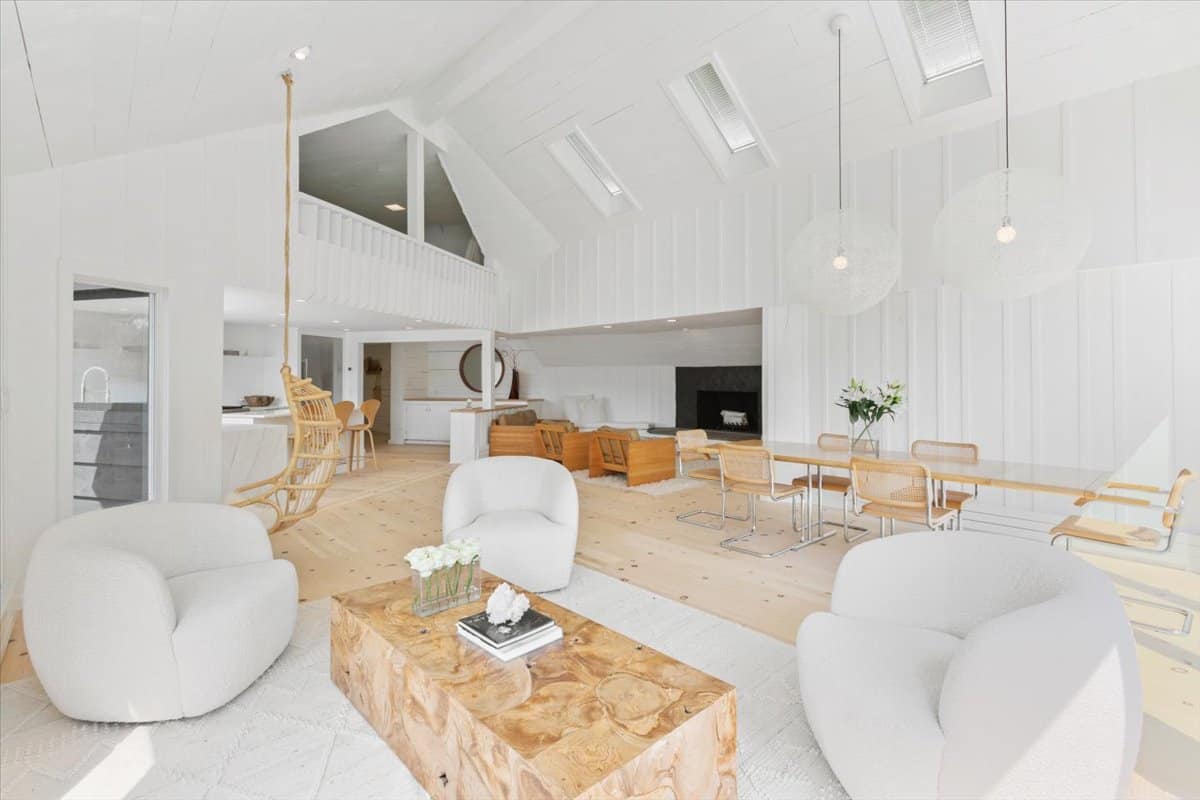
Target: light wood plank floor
x=371 y=518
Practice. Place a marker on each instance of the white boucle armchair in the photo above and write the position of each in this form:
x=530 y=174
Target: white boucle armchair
x=961 y=664
x=525 y=513
x=155 y=611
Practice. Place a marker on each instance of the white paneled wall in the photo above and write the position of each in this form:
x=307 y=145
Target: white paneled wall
x=1101 y=372
x=1131 y=151
x=634 y=393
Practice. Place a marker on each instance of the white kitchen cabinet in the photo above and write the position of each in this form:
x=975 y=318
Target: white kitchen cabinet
x=428 y=420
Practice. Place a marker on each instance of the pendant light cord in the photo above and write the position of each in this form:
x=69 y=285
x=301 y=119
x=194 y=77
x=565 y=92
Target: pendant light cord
x=287 y=216
x=839 y=116
x=1006 y=160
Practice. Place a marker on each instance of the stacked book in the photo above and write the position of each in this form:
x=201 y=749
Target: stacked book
x=509 y=640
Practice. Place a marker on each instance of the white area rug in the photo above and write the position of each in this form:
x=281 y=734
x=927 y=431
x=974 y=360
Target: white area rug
x=656 y=489
x=293 y=735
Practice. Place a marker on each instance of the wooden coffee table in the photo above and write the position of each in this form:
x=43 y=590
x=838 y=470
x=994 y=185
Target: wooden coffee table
x=596 y=715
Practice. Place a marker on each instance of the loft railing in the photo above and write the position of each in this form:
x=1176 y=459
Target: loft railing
x=345 y=258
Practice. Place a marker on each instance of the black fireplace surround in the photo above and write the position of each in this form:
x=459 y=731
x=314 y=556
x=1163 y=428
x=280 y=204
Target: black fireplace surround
x=701 y=393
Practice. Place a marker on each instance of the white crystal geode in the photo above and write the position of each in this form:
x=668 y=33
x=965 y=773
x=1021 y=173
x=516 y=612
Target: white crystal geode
x=506 y=606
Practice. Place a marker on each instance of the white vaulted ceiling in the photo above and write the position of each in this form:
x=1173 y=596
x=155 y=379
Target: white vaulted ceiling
x=510 y=78
x=604 y=73
x=115 y=77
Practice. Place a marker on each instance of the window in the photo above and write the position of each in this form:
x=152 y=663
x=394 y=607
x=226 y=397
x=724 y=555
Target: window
x=943 y=36
x=592 y=160
x=724 y=113
x=582 y=162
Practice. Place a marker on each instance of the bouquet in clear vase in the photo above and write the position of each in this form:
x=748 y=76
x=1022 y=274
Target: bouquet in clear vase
x=866 y=408
x=445 y=576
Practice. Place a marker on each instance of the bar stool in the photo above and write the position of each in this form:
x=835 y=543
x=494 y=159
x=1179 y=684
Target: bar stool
x=961 y=452
x=1135 y=536
x=897 y=490
x=343 y=411
x=750 y=470
x=369 y=409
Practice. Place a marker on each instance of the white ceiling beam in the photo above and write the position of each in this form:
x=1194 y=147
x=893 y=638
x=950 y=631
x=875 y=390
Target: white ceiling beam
x=522 y=31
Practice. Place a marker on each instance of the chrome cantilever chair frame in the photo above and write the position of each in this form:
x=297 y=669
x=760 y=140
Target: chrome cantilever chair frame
x=731 y=486
x=1176 y=511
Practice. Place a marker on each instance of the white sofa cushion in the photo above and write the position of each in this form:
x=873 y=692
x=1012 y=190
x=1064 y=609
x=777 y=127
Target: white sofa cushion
x=593 y=412
x=871 y=694
x=570 y=404
x=233 y=622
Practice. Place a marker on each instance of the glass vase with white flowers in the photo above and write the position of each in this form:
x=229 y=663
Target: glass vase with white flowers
x=445 y=576
x=866 y=407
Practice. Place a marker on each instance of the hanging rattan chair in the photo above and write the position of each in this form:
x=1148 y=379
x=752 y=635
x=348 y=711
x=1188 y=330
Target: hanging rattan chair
x=295 y=492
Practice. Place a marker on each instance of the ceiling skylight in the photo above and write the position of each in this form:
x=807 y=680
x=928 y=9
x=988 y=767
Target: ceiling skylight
x=943 y=35
x=592 y=159
x=721 y=109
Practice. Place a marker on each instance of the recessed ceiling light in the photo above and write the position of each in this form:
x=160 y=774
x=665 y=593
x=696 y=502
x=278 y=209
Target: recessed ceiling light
x=301 y=53
x=672 y=320
x=301 y=300
x=608 y=326
x=337 y=322
x=274 y=324
x=281 y=314
x=419 y=321
x=394 y=207
x=408 y=327
x=347 y=330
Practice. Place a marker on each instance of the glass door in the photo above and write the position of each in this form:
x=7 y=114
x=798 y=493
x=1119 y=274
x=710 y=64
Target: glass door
x=111 y=368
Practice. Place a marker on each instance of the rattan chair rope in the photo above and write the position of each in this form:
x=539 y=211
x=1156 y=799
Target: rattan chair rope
x=296 y=491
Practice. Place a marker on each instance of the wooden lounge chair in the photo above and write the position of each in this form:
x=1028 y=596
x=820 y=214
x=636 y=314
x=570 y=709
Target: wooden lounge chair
x=564 y=443
x=642 y=460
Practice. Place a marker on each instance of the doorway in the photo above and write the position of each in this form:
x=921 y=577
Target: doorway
x=377 y=384
x=113 y=333
x=321 y=360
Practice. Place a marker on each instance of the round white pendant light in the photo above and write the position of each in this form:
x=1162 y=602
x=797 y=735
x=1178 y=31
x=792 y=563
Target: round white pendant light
x=842 y=263
x=1013 y=232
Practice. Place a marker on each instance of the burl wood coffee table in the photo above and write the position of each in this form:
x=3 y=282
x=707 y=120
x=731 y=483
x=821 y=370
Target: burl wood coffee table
x=596 y=715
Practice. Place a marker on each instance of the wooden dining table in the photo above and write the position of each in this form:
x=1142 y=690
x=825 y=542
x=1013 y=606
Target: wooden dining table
x=1072 y=481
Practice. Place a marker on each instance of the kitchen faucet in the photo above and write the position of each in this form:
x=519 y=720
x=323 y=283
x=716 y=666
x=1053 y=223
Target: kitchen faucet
x=83 y=384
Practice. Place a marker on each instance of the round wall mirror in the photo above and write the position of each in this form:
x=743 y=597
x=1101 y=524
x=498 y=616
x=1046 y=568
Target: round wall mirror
x=470 y=367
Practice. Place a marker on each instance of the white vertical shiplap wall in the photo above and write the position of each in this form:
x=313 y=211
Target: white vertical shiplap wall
x=1130 y=150
x=1101 y=372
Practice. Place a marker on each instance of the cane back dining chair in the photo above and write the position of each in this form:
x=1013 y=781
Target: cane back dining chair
x=897 y=490
x=750 y=470
x=1135 y=536
x=960 y=452
x=713 y=520
x=839 y=484
x=688 y=450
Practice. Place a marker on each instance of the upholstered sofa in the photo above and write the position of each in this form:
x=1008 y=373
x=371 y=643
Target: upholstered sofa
x=525 y=513
x=960 y=664
x=513 y=434
x=155 y=611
